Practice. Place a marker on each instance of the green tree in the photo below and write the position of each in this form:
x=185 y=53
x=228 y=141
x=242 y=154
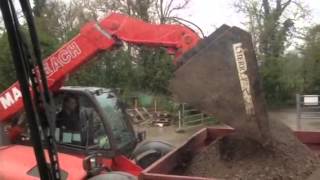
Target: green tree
x=311 y=65
x=7 y=72
x=155 y=71
x=110 y=69
x=39 y=6
x=272 y=25
x=48 y=44
x=285 y=74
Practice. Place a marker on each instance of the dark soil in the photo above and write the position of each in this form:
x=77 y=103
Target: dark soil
x=259 y=148
x=234 y=157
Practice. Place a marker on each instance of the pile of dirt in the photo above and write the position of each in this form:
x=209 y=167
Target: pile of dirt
x=234 y=157
x=220 y=77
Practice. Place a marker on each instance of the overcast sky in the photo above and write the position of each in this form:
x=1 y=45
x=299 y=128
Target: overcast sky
x=210 y=14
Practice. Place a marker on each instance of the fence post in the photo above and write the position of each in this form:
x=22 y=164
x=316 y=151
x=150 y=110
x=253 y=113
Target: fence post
x=179 y=116
x=182 y=114
x=202 y=117
x=298 y=105
x=135 y=100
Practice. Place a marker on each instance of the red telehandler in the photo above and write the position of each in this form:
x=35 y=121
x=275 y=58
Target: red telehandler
x=98 y=37
x=113 y=147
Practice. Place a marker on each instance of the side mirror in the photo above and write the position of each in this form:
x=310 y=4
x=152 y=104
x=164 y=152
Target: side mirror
x=93 y=164
x=141 y=135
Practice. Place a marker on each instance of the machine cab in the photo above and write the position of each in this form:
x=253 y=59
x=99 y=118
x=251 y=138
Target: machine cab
x=99 y=122
x=91 y=119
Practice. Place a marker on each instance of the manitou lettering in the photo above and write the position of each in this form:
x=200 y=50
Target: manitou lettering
x=63 y=57
x=51 y=65
x=243 y=77
x=10 y=98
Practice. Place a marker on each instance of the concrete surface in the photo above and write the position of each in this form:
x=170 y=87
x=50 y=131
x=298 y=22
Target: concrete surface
x=169 y=134
x=289 y=117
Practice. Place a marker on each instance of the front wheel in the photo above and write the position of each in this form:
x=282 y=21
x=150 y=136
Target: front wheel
x=148 y=152
x=114 y=175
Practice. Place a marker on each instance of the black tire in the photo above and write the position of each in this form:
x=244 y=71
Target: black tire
x=148 y=152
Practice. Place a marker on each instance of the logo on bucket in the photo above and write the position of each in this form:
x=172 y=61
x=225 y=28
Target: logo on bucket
x=243 y=77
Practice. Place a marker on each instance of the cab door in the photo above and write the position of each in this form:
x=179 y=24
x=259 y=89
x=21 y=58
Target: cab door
x=89 y=134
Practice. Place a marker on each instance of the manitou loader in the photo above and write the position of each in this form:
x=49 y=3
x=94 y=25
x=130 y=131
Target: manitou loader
x=107 y=145
x=111 y=139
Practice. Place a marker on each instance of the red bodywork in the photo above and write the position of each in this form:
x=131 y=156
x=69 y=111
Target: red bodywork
x=97 y=37
x=16 y=161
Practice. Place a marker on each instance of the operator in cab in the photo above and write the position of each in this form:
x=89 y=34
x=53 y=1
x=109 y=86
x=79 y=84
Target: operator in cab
x=76 y=121
x=69 y=116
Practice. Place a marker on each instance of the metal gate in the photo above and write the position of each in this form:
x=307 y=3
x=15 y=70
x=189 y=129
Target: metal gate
x=189 y=116
x=308 y=107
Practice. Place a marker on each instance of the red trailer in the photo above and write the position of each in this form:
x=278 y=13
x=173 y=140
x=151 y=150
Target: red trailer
x=166 y=167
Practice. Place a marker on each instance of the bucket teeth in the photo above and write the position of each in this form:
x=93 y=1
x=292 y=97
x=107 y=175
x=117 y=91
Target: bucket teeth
x=220 y=77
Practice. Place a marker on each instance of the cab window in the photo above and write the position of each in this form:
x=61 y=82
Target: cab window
x=78 y=123
x=116 y=119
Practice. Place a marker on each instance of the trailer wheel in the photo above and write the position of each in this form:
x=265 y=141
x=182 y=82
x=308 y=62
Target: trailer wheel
x=114 y=175
x=148 y=152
